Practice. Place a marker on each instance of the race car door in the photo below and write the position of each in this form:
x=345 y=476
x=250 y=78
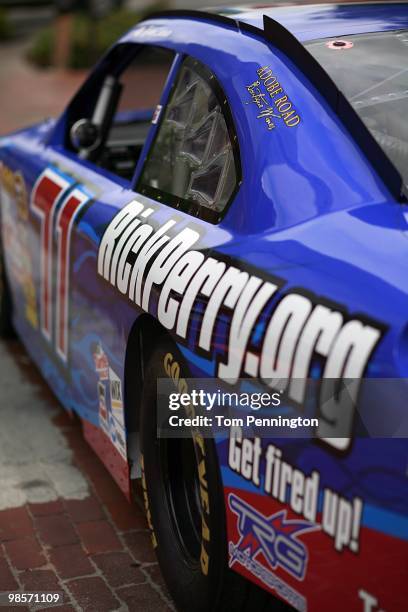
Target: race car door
x=78 y=179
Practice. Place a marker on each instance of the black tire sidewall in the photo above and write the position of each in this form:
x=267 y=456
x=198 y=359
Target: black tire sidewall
x=192 y=586
x=6 y=327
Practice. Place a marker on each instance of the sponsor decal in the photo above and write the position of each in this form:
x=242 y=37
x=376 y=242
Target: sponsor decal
x=156 y=114
x=271 y=101
x=111 y=408
x=142 y=260
x=116 y=394
x=14 y=184
x=151 y=31
x=276 y=540
x=369 y=602
x=274 y=536
x=101 y=362
x=273 y=582
x=103 y=413
x=15 y=208
x=340 y=518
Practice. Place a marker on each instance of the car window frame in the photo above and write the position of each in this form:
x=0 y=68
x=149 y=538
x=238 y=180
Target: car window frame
x=192 y=208
x=130 y=51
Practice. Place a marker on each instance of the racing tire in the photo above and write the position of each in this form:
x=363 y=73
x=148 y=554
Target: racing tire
x=6 y=306
x=185 y=511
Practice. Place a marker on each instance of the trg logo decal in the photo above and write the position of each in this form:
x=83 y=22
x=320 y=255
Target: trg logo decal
x=274 y=536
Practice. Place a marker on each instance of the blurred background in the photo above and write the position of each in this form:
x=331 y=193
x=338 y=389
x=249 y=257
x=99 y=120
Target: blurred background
x=47 y=46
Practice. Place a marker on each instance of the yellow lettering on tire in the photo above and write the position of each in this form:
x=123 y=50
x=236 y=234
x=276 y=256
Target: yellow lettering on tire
x=147 y=506
x=173 y=370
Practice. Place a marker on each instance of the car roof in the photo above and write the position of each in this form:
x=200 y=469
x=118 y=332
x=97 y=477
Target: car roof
x=286 y=29
x=313 y=21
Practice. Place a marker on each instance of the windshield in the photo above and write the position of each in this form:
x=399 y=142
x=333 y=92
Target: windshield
x=372 y=72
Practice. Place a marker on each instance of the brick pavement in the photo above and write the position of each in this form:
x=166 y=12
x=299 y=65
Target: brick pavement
x=27 y=94
x=97 y=549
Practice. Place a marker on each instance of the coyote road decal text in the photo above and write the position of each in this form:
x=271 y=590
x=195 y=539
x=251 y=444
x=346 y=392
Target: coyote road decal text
x=267 y=94
x=140 y=259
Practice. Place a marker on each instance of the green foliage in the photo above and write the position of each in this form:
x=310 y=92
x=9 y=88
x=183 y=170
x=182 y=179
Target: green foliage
x=90 y=38
x=6 y=29
x=41 y=50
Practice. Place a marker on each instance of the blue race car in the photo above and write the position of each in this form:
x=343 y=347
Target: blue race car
x=225 y=199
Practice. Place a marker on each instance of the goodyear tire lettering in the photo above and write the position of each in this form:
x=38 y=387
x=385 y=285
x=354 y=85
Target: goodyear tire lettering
x=173 y=369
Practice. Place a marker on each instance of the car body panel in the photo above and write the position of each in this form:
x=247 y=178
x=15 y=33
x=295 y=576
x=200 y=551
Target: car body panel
x=314 y=21
x=312 y=216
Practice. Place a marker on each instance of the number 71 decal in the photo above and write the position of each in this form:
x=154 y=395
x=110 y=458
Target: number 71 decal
x=56 y=202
